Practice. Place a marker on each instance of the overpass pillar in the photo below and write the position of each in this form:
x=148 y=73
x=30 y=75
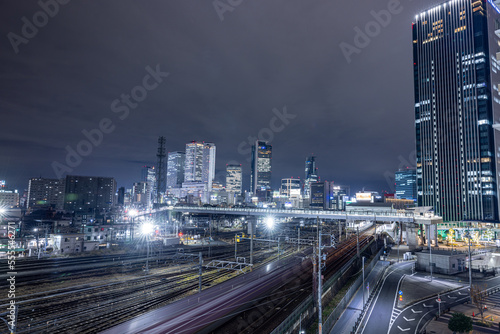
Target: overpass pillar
x=411 y=236
x=431 y=234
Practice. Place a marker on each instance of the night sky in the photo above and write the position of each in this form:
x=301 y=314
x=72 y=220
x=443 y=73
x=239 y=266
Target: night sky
x=228 y=69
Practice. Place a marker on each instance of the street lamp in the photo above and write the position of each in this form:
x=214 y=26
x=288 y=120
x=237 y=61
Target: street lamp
x=146 y=230
x=37 y=250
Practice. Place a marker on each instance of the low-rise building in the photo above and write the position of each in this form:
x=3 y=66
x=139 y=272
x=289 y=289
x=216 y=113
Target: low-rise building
x=443 y=262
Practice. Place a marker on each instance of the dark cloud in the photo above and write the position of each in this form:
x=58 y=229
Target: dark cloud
x=225 y=79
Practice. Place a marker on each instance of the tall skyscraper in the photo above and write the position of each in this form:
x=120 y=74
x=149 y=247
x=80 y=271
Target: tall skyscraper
x=406 y=184
x=148 y=175
x=260 y=178
x=208 y=169
x=175 y=169
x=311 y=174
x=456 y=54
x=45 y=192
x=87 y=193
x=234 y=179
x=193 y=166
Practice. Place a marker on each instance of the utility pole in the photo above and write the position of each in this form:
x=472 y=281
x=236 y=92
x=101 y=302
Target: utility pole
x=363 y=282
x=298 y=240
x=320 y=324
x=430 y=249
x=201 y=271
x=235 y=247
x=252 y=227
x=340 y=231
x=357 y=240
x=161 y=170
x=278 y=248
x=470 y=261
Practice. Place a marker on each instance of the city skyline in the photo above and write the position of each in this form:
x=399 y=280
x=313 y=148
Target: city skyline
x=227 y=81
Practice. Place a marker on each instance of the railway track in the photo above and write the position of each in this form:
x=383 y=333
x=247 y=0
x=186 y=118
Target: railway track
x=271 y=310
x=68 y=310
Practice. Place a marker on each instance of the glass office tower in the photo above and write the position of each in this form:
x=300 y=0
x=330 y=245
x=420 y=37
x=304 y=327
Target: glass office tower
x=456 y=52
x=260 y=178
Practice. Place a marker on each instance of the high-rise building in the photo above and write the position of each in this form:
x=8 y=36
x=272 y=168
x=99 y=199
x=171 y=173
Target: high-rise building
x=311 y=174
x=148 y=175
x=9 y=198
x=320 y=195
x=406 y=184
x=338 y=197
x=141 y=194
x=175 y=169
x=193 y=165
x=44 y=193
x=456 y=53
x=234 y=177
x=208 y=169
x=87 y=193
x=290 y=187
x=121 y=196
x=260 y=178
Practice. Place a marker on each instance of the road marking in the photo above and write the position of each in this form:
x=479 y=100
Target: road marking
x=416 y=311
x=428 y=305
x=461 y=294
x=408 y=319
x=451 y=297
x=404 y=330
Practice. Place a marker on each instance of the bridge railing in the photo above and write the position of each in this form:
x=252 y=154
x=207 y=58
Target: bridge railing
x=359 y=214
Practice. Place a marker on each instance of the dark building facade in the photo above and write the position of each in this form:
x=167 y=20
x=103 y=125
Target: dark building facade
x=320 y=195
x=406 y=184
x=262 y=155
x=87 y=193
x=311 y=174
x=456 y=53
x=45 y=192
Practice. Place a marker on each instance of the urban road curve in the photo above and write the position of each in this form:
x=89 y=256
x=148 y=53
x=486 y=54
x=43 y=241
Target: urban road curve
x=384 y=315
x=413 y=318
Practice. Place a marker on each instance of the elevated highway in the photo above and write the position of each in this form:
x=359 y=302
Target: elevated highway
x=361 y=215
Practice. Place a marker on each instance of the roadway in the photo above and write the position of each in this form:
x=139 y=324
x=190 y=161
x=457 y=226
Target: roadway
x=379 y=314
x=388 y=315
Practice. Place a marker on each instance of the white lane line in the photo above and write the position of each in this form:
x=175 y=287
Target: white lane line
x=404 y=330
x=427 y=305
x=408 y=319
x=416 y=311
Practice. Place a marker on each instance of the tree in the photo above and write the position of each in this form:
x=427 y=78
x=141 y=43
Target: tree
x=459 y=322
x=478 y=297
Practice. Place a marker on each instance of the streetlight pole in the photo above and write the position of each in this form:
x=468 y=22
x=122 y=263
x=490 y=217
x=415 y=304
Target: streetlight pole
x=37 y=247
x=147 y=257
